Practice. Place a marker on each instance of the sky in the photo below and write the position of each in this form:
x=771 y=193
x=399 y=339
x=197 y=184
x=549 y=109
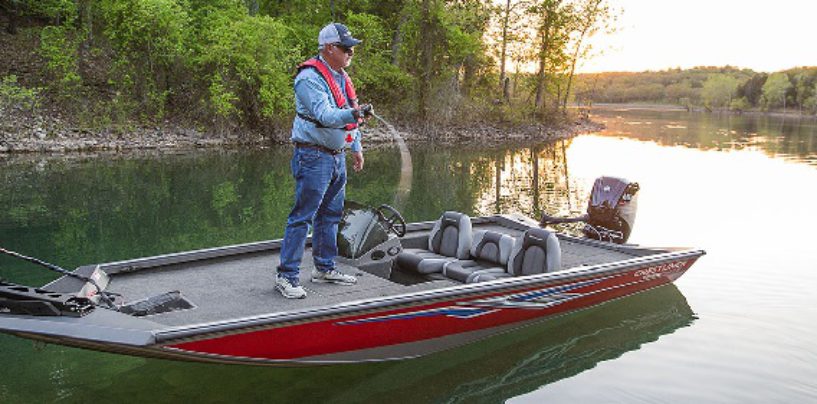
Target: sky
x=661 y=34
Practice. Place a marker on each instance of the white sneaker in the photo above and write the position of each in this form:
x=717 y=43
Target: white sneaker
x=289 y=290
x=333 y=276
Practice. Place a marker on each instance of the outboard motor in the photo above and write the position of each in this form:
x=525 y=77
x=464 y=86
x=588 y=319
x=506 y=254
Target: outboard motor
x=610 y=211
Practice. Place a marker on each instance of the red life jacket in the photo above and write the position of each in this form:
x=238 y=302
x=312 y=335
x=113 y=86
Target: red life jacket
x=340 y=100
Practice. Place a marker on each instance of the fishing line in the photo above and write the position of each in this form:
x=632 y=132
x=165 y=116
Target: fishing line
x=406 y=168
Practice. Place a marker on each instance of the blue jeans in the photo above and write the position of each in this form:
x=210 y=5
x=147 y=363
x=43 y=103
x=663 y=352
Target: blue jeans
x=320 y=188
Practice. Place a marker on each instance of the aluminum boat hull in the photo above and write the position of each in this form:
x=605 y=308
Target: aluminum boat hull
x=392 y=327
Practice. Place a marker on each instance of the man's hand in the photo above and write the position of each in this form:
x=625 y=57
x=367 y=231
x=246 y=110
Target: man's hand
x=364 y=112
x=367 y=110
x=358 y=161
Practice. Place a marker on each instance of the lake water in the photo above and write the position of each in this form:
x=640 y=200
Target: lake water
x=739 y=327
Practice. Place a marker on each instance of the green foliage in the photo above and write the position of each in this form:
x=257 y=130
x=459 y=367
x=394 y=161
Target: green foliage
x=149 y=38
x=375 y=77
x=775 y=89
x=13 y=95
x=58 y=46
x=714 y=87
x=752 y=88
x=249 y=62
x=740 y=104
x=811 y=102
x=718 y=90
x=230 y=62
x=60 y=11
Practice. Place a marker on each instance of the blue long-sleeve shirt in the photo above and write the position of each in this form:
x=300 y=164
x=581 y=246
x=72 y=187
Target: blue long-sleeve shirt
x=313 y=98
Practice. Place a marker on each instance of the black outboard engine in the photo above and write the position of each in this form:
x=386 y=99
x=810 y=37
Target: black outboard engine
x=610 y=211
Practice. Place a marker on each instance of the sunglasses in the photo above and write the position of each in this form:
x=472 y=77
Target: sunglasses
x=348 y=51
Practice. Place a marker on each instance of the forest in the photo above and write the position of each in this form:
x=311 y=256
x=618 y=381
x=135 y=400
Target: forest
x=713 y=88
x=229 y=64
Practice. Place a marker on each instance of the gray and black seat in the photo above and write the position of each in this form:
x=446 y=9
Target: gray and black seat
x=450 y=239
x=489 y=254
x=536 y=252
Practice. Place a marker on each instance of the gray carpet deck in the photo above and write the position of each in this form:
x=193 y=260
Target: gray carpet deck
x=240 y=286
x=229 y=288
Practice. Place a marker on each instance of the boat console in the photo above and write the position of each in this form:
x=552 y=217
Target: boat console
x=369 y=238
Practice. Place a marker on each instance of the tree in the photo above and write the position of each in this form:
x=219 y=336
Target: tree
x=739 y=104
x=775 y=89
x=511 y=28
x=677 y=93
x=592 y=15
x=718 y=90
x=804 y=82
x=150 y=38
x=811 y=102
x=12 y=9
x=752 y=89
x=551 y=37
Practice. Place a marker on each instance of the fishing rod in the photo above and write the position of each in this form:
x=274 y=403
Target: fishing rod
x=103 y=295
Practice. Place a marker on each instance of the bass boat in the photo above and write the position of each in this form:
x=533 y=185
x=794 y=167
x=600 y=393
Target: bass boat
x=422 y=288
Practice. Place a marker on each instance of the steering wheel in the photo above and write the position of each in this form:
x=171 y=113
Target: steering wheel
x=394 y=222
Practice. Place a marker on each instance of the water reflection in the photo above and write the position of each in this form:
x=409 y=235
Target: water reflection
x=489 y=371
x=522 y=361
x=499 y=180
x=793 y=138
x=79 y=211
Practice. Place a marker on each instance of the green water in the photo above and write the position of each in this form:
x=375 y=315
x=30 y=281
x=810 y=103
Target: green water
x=739 y=327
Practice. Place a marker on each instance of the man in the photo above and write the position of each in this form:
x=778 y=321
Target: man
x=327 y=115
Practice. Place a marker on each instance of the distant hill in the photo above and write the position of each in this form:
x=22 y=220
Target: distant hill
x=709 y=87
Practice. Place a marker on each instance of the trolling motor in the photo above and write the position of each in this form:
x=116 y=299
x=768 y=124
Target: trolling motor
x=21 y=299
x=610 y=212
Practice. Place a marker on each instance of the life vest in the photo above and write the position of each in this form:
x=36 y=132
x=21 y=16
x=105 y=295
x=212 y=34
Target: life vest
x=340 y=100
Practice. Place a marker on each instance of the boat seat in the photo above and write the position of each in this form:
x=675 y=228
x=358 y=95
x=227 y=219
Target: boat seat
x=450 y=239
x=536 y=252
x=489 y=254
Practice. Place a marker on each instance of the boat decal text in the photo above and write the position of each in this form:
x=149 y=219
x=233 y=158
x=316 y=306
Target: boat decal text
x=532 y=299
x=658 y=271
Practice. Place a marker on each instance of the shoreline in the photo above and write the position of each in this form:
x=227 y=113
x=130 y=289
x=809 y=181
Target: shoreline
x=697 y=109
x=26 y=134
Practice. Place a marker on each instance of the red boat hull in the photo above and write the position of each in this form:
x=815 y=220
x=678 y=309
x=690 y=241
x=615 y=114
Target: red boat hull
x=419 y=328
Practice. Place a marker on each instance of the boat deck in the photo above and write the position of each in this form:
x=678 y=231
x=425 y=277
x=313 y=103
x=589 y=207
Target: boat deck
x=240 y=286
x=229 y=288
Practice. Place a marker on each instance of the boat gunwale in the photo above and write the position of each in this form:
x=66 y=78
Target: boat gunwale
x=194 y=331
x=515 y=222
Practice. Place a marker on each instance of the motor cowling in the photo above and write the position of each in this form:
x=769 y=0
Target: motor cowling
x=611 y=210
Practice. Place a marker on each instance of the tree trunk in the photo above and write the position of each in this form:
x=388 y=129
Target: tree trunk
x=252 y=7
x=426 y=58
x=504 y=44
x=12 y=10
x=540 y=76
x=397 y=40
x=470 y=72
x=572 y=71
x=590 y=18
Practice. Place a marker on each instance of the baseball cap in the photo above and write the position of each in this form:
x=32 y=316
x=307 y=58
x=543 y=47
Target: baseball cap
x=337 y=33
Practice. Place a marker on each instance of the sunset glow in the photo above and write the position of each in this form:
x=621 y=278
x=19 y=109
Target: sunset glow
x=657 y=35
